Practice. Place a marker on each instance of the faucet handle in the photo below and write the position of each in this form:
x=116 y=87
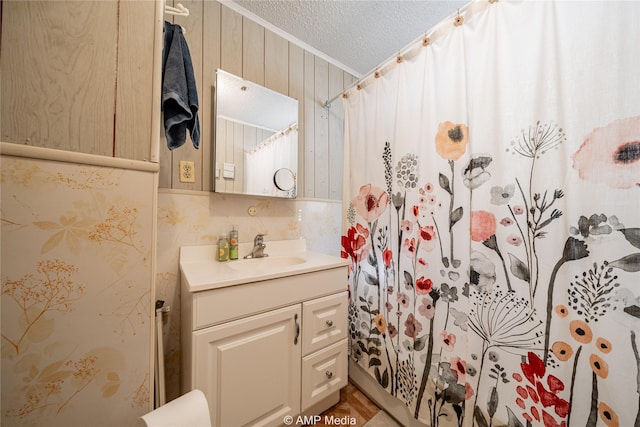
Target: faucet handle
x=259 y=239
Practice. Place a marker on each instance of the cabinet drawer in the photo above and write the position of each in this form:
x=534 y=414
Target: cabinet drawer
x=323 y=373
x=324 y=322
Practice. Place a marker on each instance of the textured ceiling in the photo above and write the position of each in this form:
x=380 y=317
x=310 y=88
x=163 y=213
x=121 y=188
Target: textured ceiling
x=357 y=34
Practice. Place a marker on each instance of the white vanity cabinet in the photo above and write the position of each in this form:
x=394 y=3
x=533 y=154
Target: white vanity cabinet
x=249 y=369
x=266 y=349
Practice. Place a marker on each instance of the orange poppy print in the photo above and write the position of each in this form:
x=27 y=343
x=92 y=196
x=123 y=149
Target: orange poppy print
x=608 y=415
x=599 y=366
x=603 y=345
x=580 y=331
x=561 y=310
x=562 y=350
x=381 y=324
x=451 y=140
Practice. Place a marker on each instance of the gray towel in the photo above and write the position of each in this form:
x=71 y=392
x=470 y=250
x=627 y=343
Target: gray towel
x=179 y=93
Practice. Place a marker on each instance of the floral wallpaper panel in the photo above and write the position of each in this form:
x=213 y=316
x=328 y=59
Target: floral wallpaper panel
x=77 y=306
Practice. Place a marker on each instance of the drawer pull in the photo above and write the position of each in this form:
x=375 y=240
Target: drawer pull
x=329 y=374
x=329 y=323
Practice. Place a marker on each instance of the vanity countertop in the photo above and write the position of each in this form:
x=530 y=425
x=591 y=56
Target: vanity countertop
x=202 y=271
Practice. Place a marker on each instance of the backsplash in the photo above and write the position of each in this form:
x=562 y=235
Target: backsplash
x=188 y=218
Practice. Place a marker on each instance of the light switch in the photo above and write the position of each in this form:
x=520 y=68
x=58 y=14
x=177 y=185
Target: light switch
x=229 y=171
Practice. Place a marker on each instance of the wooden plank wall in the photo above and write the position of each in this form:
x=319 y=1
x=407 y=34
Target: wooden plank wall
x=219 y=37
x=232 y=141
x=77 y=76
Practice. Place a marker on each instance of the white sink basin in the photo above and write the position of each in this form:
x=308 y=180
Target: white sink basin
x=201 y=271
x=265 y=264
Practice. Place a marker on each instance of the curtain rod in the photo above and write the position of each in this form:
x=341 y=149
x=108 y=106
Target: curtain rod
x=429 y=37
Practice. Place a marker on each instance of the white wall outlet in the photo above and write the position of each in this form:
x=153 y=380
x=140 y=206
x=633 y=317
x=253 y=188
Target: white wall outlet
x=253 y=211
x=187 y=171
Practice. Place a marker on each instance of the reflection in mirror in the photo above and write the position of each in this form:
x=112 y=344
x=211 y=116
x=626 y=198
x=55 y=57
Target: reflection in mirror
x=284 y=179
x=256 y=138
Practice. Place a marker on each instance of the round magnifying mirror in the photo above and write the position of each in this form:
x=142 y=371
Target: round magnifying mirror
x=284 y=179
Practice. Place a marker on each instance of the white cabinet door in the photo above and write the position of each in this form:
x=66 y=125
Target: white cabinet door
x=249 y=369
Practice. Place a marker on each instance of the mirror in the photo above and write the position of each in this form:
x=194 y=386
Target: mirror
x=256 y=139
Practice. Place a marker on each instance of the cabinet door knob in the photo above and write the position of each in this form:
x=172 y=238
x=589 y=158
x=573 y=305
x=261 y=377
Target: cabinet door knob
x=329 y=323
x=329 y=374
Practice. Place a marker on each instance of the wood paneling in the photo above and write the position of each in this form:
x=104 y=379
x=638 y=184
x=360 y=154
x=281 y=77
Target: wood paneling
x=231 y=42
x=58 y=65
x=276 y=62
x=309 y=118
x=211 y=57
x=336 y=134
x=80 y=79
x=321 y=135
x=253 y=51
x=134 y=82
x=296 y=90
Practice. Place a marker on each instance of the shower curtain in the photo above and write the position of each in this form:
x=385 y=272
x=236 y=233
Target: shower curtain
x=492 y=218
x=278 y=151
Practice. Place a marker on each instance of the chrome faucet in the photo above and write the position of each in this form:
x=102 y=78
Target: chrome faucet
x=258 y=247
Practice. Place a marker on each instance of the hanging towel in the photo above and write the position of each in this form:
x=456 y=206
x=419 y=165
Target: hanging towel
x=179 y=93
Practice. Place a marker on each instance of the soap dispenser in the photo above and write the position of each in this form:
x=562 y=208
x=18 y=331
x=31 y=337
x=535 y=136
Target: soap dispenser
x=223 y=248
x=233 y=243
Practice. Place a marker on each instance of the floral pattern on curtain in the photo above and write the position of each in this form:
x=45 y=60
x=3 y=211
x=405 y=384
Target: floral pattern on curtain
x=492 y=220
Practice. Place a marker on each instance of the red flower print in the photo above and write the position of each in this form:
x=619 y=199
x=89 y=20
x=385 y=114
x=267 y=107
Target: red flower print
x=506 y=221
x=412 y=326
x=423 y=286
x=468 y=391
x=371 y=202
x=542 y=392
x=459 y=369
x=354 y=244
x=410 y=247
x=448 y=340
x=514 y=240
x=427 y=309
x=483 y=225
x=387 y=257
x=402 y=299
x=427 y=233
x=428 y=237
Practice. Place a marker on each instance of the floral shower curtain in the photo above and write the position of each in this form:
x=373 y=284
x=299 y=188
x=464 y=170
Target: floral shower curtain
x=492 y=218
